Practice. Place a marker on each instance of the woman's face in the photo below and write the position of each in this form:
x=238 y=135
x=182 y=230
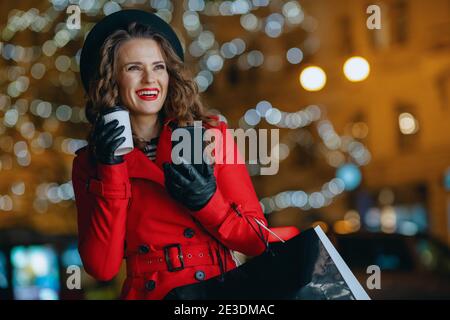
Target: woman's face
x=142 y=76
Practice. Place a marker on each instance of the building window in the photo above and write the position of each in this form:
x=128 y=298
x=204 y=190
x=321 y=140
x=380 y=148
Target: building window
x=345 y=26
x=380 y=38
x=442 y=83
x=399 y=21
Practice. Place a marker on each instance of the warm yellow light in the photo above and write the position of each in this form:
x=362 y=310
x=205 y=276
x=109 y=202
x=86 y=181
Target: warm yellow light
x=388 y=219
x=407 y=123
x=354 y=220
x=360 y=130
x=356 y=69
x=323 y=225
x=313 y=78
x=342 y=227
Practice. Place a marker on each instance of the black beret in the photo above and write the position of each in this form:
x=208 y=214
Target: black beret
x=90 y=54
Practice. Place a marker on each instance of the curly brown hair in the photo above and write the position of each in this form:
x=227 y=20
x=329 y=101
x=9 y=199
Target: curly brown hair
x=182 y=101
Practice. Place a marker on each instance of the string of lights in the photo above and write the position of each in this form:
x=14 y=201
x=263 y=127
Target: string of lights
x=38 y=61
x=347 y=176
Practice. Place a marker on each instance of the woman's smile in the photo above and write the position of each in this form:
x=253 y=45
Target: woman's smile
x=148 y=94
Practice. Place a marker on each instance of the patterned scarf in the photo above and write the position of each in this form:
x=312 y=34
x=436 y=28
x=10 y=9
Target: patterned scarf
x=150 y=148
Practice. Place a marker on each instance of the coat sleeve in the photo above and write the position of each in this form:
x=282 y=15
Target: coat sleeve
x=102 y=200
x=231 y=214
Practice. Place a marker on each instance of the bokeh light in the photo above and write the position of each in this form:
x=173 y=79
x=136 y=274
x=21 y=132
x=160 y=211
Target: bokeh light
x=356 y=69
x=313 y=78
x=408 y=124
x=294 y=55
x=350 y=175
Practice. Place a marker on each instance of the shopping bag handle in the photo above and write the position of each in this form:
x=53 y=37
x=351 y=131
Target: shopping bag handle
x=277 y=234
x=282 y=234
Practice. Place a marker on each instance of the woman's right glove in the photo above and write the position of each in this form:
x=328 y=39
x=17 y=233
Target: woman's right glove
x=106 y=141
x=192 y=188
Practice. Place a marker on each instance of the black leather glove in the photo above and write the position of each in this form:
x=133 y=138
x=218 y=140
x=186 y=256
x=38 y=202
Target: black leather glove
x=106 y=141
x=188 y=186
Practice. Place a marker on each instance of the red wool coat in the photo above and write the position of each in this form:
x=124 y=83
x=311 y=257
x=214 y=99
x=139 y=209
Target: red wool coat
x=124 y=212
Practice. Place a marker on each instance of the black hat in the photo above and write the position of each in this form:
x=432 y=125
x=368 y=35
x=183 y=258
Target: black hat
x=90 y=54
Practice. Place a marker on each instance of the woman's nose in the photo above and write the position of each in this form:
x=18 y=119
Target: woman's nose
x=149 y=77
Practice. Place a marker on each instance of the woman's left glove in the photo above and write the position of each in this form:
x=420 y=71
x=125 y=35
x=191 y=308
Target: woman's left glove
x=188 y=186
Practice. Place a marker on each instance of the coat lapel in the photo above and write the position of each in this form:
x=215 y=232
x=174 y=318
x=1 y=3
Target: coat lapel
x=139 y=166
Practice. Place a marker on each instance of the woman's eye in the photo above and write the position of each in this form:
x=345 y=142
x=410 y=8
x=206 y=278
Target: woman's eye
x=160 y=66
x=133 y=68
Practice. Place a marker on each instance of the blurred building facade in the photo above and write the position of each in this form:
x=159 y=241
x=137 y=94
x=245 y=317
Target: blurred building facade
x=410 y=76
x=401 y=112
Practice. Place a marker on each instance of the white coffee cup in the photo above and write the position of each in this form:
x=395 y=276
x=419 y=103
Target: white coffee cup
x=122 y=115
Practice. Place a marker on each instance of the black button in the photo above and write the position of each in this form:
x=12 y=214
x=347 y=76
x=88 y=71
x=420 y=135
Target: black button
x=188 y=233
x=150 y=285
x=143 y=248
x=200 y=275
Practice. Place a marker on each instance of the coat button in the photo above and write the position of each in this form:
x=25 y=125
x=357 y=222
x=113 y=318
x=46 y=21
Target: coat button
x=143 y=248
x=150 y=285
x=199 y=275
x=188 y=233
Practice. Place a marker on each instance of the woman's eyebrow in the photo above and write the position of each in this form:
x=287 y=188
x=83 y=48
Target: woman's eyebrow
x=138 y=62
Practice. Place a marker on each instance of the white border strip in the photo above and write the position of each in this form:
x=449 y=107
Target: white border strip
x=356 y=288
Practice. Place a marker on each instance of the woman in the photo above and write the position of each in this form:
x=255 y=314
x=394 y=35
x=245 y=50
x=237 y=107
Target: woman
x=172 y=224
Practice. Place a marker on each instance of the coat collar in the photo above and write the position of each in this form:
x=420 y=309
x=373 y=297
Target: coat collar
x=139 y=166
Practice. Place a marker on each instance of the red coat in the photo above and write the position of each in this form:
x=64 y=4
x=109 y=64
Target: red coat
x=124 y=211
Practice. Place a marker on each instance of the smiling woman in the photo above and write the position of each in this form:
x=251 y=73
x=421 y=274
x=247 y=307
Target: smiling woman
x=134 y=62
x=174 y=224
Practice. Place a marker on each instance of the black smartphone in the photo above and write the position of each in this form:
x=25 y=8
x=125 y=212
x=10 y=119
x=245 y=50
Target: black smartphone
x=189 y=146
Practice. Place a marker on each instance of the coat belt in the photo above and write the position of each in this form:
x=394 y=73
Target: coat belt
x=171 y=258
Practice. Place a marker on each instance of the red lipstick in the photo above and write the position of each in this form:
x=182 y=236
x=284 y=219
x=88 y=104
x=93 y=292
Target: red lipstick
x=148 y=94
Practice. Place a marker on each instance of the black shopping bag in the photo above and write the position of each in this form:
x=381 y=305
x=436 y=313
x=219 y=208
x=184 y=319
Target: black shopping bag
x=304 y=267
